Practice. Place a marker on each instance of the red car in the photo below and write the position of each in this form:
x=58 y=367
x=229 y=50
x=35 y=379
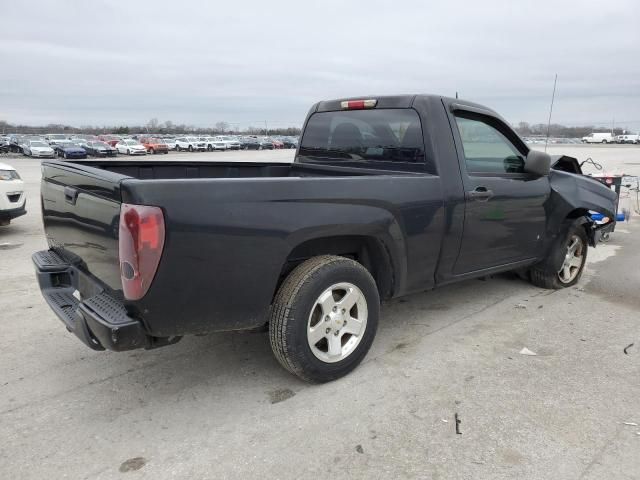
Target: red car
x=110 y=139
x=277 y=143
x=154 y=145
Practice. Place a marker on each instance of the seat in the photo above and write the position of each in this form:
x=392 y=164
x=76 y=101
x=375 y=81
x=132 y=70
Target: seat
x=346 y=136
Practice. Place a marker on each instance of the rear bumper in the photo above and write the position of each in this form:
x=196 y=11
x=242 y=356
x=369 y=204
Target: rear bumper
x=98 y=319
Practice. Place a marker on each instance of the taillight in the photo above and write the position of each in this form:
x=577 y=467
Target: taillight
x=358 y=104
x=141 y=240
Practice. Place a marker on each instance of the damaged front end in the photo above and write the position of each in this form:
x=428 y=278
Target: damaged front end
x=574 y=195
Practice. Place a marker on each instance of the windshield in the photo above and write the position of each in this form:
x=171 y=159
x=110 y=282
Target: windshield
x=99 y=144
x=57 y=137
x=38 y=144
x=365 y=138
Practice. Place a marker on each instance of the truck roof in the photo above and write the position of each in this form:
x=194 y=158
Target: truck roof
x=397 y=101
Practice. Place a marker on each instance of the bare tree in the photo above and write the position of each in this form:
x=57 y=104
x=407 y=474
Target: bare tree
x=153 y=124
x=222 y=126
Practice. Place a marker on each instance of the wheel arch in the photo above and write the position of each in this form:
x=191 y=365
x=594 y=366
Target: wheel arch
x=370 y=251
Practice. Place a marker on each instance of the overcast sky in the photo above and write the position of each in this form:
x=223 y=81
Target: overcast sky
x=100 y=62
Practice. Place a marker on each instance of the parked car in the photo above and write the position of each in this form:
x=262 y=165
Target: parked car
x=130 y=147
x=37 y=148
x=265 y=143
x=13 y=200
x=85 y=138
x=229 y=143
x=70 y=150
x=99 y=149
x=249 y=143
x=277 y=143
x=170 y=142
x=56 y=139
x=190 y=144
x=599 y=137
x=310 y=249
x=212 y=143
x=154 y=145
x=109 y=139
x=289 y=142
x=628 y=138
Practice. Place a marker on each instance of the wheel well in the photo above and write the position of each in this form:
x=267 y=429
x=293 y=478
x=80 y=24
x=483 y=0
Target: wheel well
x=370 y=252
x=577 y=213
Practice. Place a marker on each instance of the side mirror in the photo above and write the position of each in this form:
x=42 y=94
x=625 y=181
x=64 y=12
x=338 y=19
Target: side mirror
x=538 y=163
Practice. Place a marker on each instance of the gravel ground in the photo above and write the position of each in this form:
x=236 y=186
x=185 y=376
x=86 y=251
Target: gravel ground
x=220 y=406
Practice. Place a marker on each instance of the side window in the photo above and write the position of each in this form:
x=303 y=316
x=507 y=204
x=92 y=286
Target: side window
x=486 y=150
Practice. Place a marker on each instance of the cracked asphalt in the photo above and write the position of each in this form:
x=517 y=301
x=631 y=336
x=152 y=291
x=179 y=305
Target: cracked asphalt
x=219 y=406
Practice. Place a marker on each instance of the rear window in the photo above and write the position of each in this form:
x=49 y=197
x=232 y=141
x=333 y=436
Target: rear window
x=389 y=139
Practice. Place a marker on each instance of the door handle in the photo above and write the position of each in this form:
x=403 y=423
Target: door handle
x=480 y=194
x=70 y=195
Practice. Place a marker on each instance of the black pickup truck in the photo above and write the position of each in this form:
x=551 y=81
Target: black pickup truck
x=386 y=196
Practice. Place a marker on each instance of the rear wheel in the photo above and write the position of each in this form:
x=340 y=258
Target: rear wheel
x=324 y=318
x=128 y=152
x=152 y=151
x=190 y=148
x=565 y=262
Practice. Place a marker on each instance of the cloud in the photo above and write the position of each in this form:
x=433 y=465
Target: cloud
x=198 y=62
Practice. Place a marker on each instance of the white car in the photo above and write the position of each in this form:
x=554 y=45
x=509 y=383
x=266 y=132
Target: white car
x=57 y=139
x=13 y=201
x=628 y=138
x=37 y=148
x=130 y=147
x=171 y=143
x=213 y=143
x=599 y=137
x=231 y=143
x=190 y=143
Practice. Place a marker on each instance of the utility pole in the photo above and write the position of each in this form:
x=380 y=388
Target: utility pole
x=266 y=129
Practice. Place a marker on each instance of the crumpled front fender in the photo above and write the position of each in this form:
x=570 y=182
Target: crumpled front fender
x=570 y=192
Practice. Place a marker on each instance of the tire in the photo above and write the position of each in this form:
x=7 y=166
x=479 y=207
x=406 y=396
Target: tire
x=128 y=152
x=296 y=310
x=191 y=148
x=551 y=273
x=604 y=141
x=166 y=152
x=65 y=155
x=152 y=151
x=209 y=148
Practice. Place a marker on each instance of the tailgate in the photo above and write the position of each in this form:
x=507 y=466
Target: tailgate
x=81 y=213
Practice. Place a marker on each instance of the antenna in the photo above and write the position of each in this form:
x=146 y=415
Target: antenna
x=553 y=96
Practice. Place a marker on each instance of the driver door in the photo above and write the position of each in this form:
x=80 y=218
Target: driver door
x=505 y=217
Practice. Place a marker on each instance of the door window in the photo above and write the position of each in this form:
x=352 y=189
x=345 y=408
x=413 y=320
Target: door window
x=486 y=149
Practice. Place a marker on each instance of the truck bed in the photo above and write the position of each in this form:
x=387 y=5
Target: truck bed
x=179 y=169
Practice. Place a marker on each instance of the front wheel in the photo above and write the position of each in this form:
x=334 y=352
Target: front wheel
x=565 y=261
x=190 y=148
x=324 y=318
